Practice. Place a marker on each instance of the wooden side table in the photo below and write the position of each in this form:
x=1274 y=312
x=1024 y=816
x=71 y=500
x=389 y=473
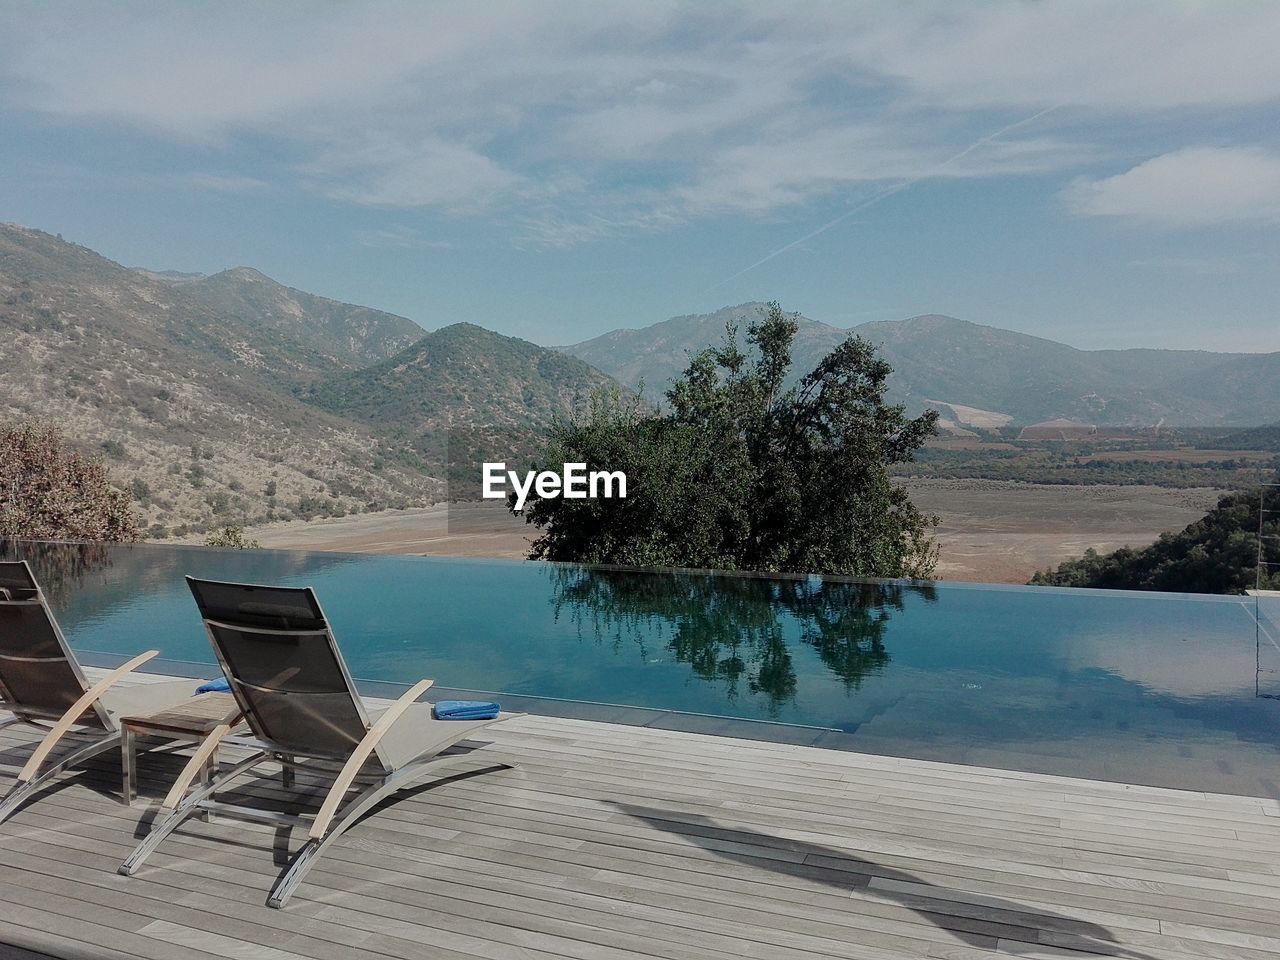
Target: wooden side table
x=187 y=722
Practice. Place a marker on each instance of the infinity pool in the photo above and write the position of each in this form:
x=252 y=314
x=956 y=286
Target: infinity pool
x=1146 y=688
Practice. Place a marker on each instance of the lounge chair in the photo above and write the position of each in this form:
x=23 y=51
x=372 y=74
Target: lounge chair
x=42 y=685
x=289 y=678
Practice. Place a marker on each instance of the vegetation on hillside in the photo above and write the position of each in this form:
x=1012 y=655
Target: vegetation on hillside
x=48 y=491
x=193 y=405
x=461 y=396
x=1216 y=554
x=351 y=335
x=743 y=472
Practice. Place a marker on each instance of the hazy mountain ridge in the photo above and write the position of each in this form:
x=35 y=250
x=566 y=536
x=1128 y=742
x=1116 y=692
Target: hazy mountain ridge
x=352 y=335
x=940 y=359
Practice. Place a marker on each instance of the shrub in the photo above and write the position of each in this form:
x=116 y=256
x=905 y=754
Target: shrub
x=50 y=492
x=230 y=536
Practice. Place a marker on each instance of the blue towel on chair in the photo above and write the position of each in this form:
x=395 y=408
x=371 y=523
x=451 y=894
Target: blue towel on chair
x=221 y=685
x=465 y=710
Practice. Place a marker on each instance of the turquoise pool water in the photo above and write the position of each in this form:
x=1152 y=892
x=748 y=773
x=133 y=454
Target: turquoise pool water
x=1076 y=681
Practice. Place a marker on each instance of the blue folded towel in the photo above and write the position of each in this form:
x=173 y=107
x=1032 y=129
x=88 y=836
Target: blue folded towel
x=465 y=710
x=221 y=685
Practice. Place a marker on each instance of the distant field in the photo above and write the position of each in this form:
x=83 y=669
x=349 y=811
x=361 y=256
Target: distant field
x=1075 y=464
x=992 y=530
x=1000 y=531
x=1178 y=456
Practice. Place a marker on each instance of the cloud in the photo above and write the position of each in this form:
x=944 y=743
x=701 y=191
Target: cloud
x=399 y=238
x=1106 y=55
x=225 y=183
x=1195 y=186
x=381 y=171
x=569 y=121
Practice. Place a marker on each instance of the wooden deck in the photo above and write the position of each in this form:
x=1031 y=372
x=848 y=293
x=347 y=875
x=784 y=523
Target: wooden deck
x=616 y=843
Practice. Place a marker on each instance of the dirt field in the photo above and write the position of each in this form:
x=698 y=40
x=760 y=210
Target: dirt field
x=993 y=531
x=1002 y=532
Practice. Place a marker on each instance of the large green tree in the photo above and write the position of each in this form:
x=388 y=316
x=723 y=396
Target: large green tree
x=745 y=469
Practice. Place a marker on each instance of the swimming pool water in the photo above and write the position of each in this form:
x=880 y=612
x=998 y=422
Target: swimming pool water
x=1145 y=687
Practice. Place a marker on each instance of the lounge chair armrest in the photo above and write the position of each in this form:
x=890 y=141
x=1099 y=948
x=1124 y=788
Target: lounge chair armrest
x=75 y=711
x=320 y=825
x=195 y=765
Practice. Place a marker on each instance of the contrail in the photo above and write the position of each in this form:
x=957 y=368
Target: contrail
x=897 y=188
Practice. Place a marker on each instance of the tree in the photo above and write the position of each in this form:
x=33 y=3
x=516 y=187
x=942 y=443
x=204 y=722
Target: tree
x=48 y=491
x=743 y=472
x=1216 y=554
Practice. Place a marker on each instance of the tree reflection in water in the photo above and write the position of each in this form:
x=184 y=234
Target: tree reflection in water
x=59 y=568
x=734 y=629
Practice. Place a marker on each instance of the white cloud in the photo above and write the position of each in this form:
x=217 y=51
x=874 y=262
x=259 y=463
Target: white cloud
x=1114 y=55
x=431 y=172
x=575 y=121
x=1195 y=186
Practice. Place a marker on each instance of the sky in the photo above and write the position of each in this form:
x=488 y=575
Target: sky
x=1106 y=174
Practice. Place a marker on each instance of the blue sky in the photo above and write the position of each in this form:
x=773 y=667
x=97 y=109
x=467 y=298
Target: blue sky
x=1106 y=174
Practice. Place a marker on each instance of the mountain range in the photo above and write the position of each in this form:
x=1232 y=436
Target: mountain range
x=981 y=376
x=232 y=398
x=350 y=336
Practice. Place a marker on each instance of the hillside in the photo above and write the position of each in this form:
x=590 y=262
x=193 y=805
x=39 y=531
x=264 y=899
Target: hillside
x=353 y=336
x=192 y=407
x=984 y=376
x=488 y=395
x=1216 y=554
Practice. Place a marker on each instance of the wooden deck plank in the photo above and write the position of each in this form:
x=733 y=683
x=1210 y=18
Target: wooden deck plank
x=624 y=843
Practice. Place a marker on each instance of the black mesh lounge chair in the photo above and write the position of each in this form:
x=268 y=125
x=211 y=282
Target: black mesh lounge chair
x=42 y=685
x=292 y=685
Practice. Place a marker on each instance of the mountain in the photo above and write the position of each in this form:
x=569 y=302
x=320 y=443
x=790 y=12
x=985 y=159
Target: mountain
x=983 y=376
x=655 y=354
x=192 y=406
x=353 y=336
x=490 y=396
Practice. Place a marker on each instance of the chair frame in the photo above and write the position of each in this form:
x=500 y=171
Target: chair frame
x=334 y=817
x=64 y=727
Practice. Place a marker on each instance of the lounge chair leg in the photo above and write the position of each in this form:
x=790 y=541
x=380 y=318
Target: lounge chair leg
x=152 y=840
x=190 y=806
x=21 y=791
x=299 y=868
x=351 y=813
